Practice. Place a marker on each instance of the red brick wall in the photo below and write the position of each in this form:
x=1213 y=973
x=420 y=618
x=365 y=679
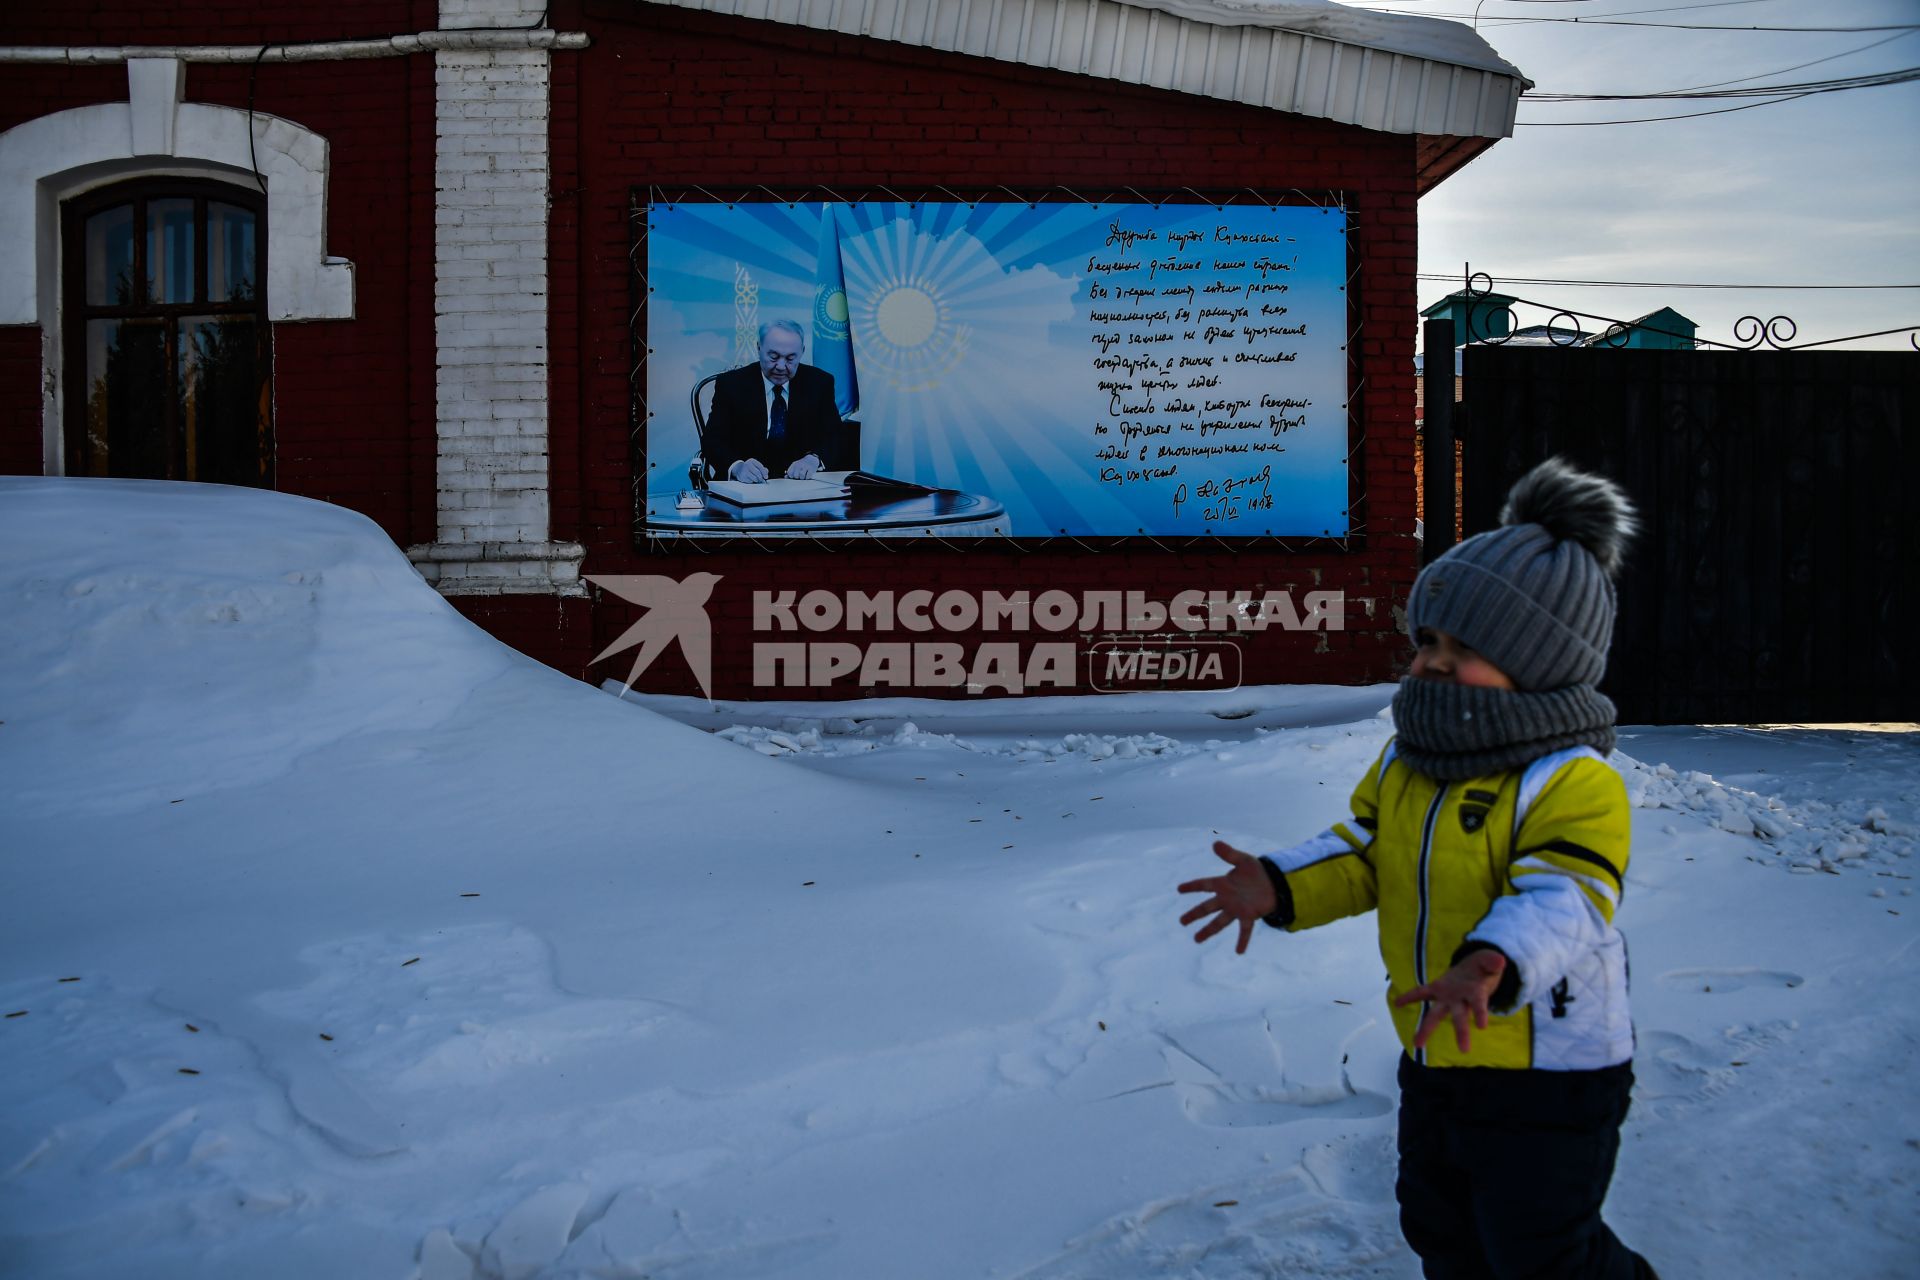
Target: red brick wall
x=675 y=99
x=353 y=400
x=554 y=629
x=124 y=22
x=20 y=427
x=669 y=97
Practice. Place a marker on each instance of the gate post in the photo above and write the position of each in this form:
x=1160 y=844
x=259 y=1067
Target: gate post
x=1436 y=340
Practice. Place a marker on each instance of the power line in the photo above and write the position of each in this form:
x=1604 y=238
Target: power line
x=1606 y=21
x=1628 y=13
x=1837 y=84
x=1772 y=95
x=1800 y=66
x=1698 y=26
x=1514 y=17
x=1769 y=95
x=1660 y=284
x=1690 y=115
x=1705 y=4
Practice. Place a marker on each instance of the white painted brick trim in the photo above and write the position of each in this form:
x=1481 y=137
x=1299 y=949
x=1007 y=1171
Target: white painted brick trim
x=491 y=175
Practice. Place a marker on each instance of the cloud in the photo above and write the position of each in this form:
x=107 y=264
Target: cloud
x=1820 y=190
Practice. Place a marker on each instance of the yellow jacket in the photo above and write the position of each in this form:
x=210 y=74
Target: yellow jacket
x=1531 y=861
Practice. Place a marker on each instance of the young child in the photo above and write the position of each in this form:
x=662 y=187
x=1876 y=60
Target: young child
x=1491 y=837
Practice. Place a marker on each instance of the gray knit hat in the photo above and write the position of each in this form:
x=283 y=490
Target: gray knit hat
x=1535 y=596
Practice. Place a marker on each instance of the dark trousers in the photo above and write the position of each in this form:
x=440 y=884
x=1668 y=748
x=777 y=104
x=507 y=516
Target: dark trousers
x=1502 y=1173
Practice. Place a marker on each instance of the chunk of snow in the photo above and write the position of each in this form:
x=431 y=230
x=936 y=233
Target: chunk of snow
x=534 y=1233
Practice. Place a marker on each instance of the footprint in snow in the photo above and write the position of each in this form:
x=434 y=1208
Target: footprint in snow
x=1209 y=1099
x=1230 y=1106
x=1724 y=981
x=1279 y=1224
x=1673 y=1074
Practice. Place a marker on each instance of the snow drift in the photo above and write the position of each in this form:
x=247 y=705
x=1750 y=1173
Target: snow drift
x=338 y=940
x=183 y=637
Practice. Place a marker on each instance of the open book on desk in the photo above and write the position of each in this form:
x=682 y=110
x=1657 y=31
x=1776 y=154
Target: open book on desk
x=777 y=492
x=870 y=481
x=780 y=496
x=776 y=497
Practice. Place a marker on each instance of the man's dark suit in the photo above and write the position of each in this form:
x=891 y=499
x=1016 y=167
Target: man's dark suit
x=737 y=423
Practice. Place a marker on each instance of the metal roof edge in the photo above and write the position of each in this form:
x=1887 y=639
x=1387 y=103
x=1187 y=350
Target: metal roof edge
x=1133 y=42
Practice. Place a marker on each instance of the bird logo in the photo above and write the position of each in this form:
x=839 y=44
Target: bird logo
x=675 y=610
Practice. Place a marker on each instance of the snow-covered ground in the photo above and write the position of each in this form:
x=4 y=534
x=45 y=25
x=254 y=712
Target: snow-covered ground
x=339 y=941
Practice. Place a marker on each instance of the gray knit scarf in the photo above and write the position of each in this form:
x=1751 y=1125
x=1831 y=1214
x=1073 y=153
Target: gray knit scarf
x=1455 y=731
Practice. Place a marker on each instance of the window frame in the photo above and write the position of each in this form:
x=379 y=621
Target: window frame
x=137 y=193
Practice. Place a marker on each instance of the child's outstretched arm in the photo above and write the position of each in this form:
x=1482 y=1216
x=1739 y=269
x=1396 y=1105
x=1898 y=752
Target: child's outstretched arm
x=1322 y=879
x=1243 y=895
x=1461 y=992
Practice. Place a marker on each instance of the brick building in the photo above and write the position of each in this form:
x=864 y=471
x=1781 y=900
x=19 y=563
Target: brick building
x=407 y=230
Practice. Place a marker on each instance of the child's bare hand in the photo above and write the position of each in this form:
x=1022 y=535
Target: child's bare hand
x=1242 y=895
x=1461 y=991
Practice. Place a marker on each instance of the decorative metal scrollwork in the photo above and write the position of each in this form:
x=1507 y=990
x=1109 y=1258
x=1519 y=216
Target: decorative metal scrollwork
x=1564 y=337
x=1563 y=327
x=1751 y=332
x=1475 y=311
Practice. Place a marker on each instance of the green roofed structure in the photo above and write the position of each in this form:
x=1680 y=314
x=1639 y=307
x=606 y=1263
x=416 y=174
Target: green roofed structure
x=1662 y=330
x=1477 y=317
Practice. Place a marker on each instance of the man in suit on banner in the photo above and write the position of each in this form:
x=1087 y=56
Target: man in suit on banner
x=777 y=417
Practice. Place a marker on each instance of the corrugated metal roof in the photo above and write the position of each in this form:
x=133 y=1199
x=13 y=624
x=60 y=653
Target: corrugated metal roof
x=1235 y=53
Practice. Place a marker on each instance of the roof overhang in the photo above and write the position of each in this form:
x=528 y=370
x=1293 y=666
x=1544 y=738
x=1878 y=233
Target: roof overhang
x=1392 y=73
x=1441 y=156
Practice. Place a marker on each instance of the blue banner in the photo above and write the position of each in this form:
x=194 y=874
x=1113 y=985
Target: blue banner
x=1096 y=369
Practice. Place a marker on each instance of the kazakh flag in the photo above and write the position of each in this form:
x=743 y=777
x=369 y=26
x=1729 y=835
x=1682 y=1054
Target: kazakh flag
x=832 y=334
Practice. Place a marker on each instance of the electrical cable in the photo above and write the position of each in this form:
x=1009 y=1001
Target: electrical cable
x=1627 y=13
x=1875 y=44
x=1690 y=115
x=1659 y=284
x=1837 y=84
x=253 y=81
x=253 y=74
x=1603 y=20
x=1514 y=17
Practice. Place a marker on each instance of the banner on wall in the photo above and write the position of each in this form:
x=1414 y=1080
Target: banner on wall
x=1090 y=369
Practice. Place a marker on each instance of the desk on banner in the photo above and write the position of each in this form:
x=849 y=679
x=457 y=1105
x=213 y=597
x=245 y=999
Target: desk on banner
x=862 y=514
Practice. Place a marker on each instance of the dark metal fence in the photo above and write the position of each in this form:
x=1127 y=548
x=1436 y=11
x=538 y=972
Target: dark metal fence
x=1778 y=574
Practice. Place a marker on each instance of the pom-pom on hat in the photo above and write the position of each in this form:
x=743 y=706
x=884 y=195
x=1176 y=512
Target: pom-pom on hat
x=1535 y=596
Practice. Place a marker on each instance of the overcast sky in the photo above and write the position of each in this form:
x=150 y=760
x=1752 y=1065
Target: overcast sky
x=1824 y=190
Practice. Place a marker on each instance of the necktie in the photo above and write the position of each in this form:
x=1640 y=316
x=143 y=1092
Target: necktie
x=777 y=417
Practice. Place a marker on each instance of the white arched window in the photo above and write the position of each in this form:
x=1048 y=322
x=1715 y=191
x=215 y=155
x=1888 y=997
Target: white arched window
x=50 y=163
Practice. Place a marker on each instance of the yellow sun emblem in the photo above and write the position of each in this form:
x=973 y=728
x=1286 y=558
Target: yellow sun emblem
x=916 y=344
